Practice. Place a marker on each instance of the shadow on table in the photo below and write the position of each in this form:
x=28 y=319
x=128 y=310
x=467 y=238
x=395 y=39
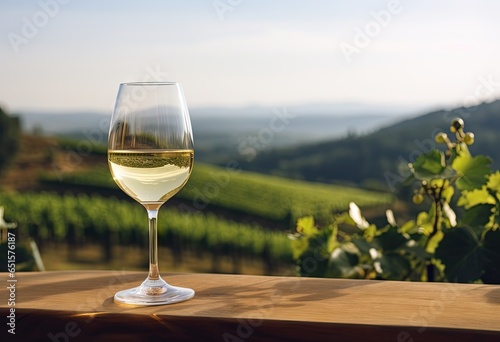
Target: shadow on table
x=493 y=296
x=261 y=297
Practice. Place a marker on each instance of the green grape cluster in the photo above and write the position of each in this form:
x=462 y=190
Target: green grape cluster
x=456 y=127
x=432 y=188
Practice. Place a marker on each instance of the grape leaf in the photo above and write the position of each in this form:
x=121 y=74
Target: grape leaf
x=474 y=197
x=494 y=181
x=461 y=253
x=305 y=225
x=473 y=171
x=300 y=241
x=415 y=249
x=332 y=241
x=478 y=215
x=343 y=263
x=492 y=257
x=299 y=245
x=432 y=162
x=362 y=244
x=394 y=266
x=390 y=240
x=313 y=259
x=430 y=166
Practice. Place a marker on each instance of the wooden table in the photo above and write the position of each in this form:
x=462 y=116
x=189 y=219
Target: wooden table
x=78 y=306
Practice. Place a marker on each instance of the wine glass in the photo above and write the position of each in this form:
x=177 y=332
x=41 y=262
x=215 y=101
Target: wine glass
x=150 y=156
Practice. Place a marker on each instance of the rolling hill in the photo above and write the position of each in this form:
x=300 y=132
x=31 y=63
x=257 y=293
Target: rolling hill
x=376 y=159
x=238 y=195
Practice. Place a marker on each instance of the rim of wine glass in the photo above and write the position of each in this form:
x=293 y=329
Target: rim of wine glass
x=149 y=83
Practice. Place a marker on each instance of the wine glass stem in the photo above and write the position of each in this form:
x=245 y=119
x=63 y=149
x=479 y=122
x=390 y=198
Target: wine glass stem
x=154 y=274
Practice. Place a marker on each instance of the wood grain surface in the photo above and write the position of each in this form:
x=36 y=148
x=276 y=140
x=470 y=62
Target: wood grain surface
x=78 y=306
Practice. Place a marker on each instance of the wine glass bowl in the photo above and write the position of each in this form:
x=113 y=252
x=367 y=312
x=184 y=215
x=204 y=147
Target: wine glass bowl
x=150 y=156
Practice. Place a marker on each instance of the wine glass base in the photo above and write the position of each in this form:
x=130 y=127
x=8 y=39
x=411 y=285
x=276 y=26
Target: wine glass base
x=154 y=292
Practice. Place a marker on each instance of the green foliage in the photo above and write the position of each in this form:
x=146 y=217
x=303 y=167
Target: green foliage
x=9 y=138
x=83 y=218
x=472 y=171
x=434 y=246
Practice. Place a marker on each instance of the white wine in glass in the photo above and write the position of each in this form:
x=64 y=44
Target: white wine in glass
x=150 y=156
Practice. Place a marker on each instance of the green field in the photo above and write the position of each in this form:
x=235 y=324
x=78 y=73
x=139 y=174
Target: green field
x=225 y=213
x=79 y=220
x=261 y=196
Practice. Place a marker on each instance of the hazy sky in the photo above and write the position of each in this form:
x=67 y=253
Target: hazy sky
x=72 y=54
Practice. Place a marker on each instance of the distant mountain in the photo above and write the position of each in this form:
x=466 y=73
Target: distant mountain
x=314 y=109
x=344 y=143
x=59 y=123
x=377 y=157
x=215 y=128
